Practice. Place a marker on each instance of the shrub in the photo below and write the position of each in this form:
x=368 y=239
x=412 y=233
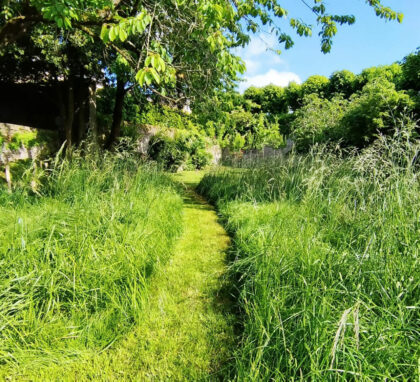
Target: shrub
x=319 y=121
x=186 y=149
x=375 y=109
x=27 y=140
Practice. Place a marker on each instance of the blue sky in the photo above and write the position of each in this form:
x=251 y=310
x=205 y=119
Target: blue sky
x=369 y=42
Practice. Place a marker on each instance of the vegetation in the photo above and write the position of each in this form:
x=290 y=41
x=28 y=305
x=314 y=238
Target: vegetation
x=346 y=109
x=171 y=50
x=186 y=150
x=113 y=271
x=76 y=258
x=326 y=262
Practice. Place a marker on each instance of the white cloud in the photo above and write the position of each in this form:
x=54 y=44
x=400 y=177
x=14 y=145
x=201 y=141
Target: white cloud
x=251 y=65
x=275 y=59
x=271 y=77
x=259 y=45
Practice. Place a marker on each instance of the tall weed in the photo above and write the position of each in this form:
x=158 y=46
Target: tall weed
x=75 y=258
x=326 y=262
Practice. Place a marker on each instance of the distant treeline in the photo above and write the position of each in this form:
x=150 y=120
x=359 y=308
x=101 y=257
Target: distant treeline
x=347 y=108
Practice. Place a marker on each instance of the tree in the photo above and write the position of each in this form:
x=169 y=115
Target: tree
x=342 y=82
x=319 y=121
x=315 y=84
x=411 y=71
x=271 y=99
x=410 y=78
x=176 y=49
x=69 y=66
x=391 y=73
x=374 y=110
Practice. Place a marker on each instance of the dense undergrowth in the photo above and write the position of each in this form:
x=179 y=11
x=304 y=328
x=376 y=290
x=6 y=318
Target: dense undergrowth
x=326 y=261
x=75 y=258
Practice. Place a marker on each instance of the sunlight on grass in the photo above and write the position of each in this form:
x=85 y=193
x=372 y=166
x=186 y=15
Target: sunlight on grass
x=184 y=327
x=326 y=262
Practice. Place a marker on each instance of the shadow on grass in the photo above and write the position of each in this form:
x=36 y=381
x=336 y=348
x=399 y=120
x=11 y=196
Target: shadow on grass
x=225 y=299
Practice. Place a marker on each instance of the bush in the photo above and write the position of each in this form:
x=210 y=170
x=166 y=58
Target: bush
x=374 y=110
x=27 y=140
x=186 y=150
x=319 y=121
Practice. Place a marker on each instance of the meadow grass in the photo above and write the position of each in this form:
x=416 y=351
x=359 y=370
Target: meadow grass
x=76 y=257
x=325 y=260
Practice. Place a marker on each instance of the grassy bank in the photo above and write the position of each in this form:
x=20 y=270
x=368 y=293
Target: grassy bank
x=326 y=262
x=75 y=259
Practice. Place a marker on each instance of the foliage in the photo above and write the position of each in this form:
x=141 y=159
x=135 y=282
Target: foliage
x=346 y=108
x=325 y=260
x=411 y=71
x=315 y=84
x=216 y=26
x=293 y=96
x=319 y=121
x=391 y=73
x=410 y=80
x=342 y=82
x=77 y=257
x=166 y=117
x=185 y=150
x=270 y=99
x=27 y=140
x=374 y=110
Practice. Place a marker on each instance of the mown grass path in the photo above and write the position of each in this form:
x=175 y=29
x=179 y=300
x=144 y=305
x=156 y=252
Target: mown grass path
x=187 y=332
x=186 y=326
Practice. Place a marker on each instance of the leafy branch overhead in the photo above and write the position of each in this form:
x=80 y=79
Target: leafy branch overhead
x=171 y=41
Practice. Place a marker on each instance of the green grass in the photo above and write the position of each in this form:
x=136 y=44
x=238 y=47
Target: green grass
x=326 y=263
x=98 y=284
x=76 y=259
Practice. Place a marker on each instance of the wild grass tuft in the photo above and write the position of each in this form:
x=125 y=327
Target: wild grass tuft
x=326 y=262
x=75 y=258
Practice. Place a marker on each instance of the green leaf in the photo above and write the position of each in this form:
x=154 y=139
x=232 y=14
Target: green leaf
x=148 y=78
x=105 y=33
x=112 y=34
x=140 y=77
x=123 y=35
x=155 y=75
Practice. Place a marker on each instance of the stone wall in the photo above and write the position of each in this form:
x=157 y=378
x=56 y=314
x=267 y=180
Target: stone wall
x=267 y=152
x=8 y=130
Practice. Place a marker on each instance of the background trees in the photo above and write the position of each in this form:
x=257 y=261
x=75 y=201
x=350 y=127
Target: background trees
x=346 y=108
x=174 y=49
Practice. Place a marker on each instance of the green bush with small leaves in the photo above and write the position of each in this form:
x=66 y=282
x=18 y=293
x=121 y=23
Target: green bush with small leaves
x=186 y=150
x=318 y=121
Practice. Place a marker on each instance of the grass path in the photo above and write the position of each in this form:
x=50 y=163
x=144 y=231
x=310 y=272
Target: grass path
x=186 y=329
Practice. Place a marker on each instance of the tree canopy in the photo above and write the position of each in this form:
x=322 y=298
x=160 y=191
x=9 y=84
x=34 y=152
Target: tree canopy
x=167 y=28
x=174 y=49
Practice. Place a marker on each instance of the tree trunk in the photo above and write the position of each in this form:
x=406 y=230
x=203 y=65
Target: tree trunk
x=82 y=111
x=93 y=126
x=68 y=124
x=118 y=114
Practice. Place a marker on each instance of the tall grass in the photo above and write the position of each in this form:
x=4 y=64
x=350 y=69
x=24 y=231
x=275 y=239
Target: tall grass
x=326 y=261
x=75 y=258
